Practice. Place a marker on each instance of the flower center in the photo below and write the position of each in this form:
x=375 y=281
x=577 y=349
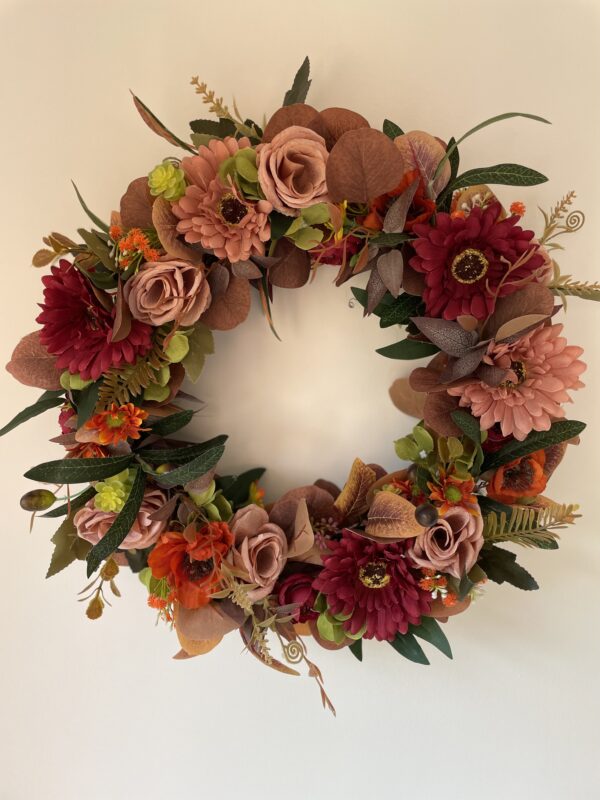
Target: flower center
x=469 y=266
x=196 y=570
x=231 y=210
x=518 y=367
x=453 y=494
x=374 y=575
x=115 y=420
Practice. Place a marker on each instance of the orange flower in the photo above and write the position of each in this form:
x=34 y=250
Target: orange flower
x=89 y=450
x=521 y=478
x=118 y=423
x=517 y=208
x=192 y=566
x=421 y=209
x=452 y=491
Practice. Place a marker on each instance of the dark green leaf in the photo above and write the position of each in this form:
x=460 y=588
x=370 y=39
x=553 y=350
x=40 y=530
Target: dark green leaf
x=78 y=470
x=401 y=310
x=121 y=526
x=468 y=424
x=137 y=559
x=560 y=431
x=96 y=220
x=300 y=86
x=96 y=246
x=237 y=487
x=219 y=128
x=453 y=158
x=86 y=403
x=194 y=469
x=67 y=547
x=465 y=586
x=390 y=239
x=407 y=646
x=391 y=129
x=41 y=405
x=506 y=174
x=488 y=505
x=501 y=566
x=174 y=422
x=430 y=631
x=279 y=224
x=356 y=649
x=363 y=297
x=408 y=349
x=179 y=455
x=75 y=504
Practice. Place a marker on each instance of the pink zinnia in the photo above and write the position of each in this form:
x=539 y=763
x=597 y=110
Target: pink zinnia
x=78 y=329
x=214 y=213
x=543 y=368
x=374 y=584
x=464 y=260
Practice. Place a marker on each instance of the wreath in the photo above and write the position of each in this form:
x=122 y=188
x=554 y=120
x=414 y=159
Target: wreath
x=128 y=311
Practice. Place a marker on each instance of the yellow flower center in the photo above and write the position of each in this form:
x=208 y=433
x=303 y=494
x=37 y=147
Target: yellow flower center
x=374 y=575
x=469 y=266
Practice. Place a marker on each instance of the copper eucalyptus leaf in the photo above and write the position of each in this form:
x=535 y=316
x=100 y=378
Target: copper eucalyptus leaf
x=136 y=205
x=32 y=365
x=292 y=268
x=392 y=517
x=422 y=151
x=395 y=218
x=229 y=309
x=376 y=290
x=449 y=336
x=390 y=267
x=165 y=223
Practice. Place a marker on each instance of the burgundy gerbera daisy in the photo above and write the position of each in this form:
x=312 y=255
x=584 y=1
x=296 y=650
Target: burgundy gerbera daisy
x=375 y=584
x=465 y=259
x=78 y=329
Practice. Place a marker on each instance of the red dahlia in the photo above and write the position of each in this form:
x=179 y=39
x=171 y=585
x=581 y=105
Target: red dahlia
x=78 y=329
x=465 y=260
x=375 y=584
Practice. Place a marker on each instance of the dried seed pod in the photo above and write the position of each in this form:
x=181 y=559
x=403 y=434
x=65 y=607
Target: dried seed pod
x=38 y=500
x=426 y=515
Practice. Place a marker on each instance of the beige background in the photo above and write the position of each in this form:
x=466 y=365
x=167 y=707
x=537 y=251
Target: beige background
x=98 y=710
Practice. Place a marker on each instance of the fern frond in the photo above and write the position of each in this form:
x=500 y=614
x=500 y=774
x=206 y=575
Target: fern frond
x=529 y=527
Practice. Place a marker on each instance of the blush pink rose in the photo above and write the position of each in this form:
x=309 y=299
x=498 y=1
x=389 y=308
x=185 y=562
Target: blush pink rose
x=168 y=291
x=291 y=170
x=451 y=545
x=260 y=548
x=93 y=524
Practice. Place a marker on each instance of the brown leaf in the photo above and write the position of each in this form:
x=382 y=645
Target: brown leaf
x=329 y=486
x=246 y=634
x=32 y=365
x=413 y=282
x=519 y=326
x=230 y=309
x=468 y=322
x=292 y=269
x=449 y=336
x=390 y=266
x=392 y=517
x=422 y=151
x=389 y=477
x=395 y=218
x=297 y=114
x=465 y=365
x=352 y=499
x=363 y=164
x=165 y=223
x=336 y=121
x=533 y=298
x=136 y=205
x=303 y=537
x=406 y=399
x=376 y=290
x=436 y=413
x=212 y=621
x=43 y=257
x=122 y=323
x=491 y=375
x=441 y=612
x=246 y=269
x=156 y=125
x=218 y=279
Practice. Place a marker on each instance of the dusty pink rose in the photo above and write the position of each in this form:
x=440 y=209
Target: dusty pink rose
x=260 y=548
x=92 y=524
x=291 y=169
x=168 y=291
x=214 y=213
x=451 y=545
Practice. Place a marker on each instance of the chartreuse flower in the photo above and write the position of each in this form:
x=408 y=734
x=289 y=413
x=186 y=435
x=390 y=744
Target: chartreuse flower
x=112 y=492
x=241 y=168
x=216 y=507
x=302 y=230
x=168 y=180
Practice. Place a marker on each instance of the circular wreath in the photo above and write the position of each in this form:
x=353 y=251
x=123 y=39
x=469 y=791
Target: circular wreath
x=128 y=309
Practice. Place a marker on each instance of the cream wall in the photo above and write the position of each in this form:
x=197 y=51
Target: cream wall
x=98 y=711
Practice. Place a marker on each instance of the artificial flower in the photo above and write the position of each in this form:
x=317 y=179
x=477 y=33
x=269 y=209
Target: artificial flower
x=260 y=549
x=78 y=329
x=168 y=180
x=192 y=565
x=421 y=209
x=93 y=523
x=465 y=261
x=214 y=213
x=542 y=371
x=451 y=545
x=133 y=247
x=449 y=490
x=373 y=584
x=519 y=479
x=168 y=291
x=117 y=424
x=291 y=169
x=297 y=589
x=112 y=492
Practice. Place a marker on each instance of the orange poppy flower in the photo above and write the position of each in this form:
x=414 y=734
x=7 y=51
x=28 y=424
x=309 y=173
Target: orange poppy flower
x=192 y=566
x=451 y=491
x=521 y=478
x=421 y=208
x=117 y=424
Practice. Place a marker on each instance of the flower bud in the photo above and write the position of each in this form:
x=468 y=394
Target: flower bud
x=95 y=608
x=110 y=570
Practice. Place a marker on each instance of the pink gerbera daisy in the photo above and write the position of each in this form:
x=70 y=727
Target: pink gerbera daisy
x=214 y=213
x=543 y=369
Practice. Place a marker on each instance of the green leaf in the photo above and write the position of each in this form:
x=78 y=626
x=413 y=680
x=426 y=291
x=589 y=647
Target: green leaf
x=96 y=220
x=67 y=547
x=390 y=239
x=401 y=310
x=179 y=455
x=96 y=246
x=356 y=649
x=430 y=631
x=468 y=424
x=391 y=130
x=174 y=422
x=279 y=224
x=194 y=468
x=121 y=525
x=78 y=470
x=86 y=403
x=454 y=158
x=41 y=405
x=237 y=487
x=75 y=504
x=138 y=559
x=219 y=128
x=362 y=296
x=407 y=646
x=300 y=86
x=465 y=586
x=560 y=431
x=505 y=174
x=202 y=344
x=408 y=349
x=501 y=566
